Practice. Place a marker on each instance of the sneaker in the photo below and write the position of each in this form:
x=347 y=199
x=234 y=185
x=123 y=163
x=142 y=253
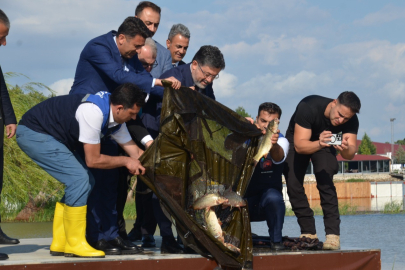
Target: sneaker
x=308 y=235
x=332 y=242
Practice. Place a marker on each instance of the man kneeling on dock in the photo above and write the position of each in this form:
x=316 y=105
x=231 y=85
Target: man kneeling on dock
x=264 y=193
x=54 y=131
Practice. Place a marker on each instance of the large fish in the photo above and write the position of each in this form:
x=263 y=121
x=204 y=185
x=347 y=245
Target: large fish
x=234 y=199
x=213 y=225
x=265 y=142
x=214 y=228
x=209 y=200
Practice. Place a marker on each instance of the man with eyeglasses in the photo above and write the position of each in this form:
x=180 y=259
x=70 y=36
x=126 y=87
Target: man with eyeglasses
x=199 y=76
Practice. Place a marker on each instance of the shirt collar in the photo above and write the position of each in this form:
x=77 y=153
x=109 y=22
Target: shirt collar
x=111 y=122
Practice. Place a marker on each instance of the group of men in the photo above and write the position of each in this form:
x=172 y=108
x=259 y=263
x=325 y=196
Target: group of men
x=114 y=105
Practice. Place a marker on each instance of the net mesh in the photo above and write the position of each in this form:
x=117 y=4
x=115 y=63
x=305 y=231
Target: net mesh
x=203 y=148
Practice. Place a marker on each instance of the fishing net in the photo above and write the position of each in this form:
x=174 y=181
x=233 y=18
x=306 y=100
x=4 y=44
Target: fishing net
x=203 y=148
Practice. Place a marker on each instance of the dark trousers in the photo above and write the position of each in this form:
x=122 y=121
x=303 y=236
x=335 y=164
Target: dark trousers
x=325 y=166
x=145 y=218
x=101 y=204
x=123 y=186
x=268 y=205
x=165 y=225
x=1 y=153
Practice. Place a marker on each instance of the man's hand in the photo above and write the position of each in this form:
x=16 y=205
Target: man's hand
x=175 y=83
x=274 y=137
x=10 y=130
x=344 y=145
x=324 y=138
x=192 y=87
x=134 y=166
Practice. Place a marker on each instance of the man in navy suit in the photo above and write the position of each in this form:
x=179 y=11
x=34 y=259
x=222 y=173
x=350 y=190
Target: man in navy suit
x=8 y=120
x=177 y=43
x=106 y=62
x=199 y=76
x=149 y=13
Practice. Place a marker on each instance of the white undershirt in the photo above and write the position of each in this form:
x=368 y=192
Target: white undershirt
x=90 y=118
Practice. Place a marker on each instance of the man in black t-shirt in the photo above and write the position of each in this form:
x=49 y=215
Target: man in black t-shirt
x=310 y=130
x=264 y=193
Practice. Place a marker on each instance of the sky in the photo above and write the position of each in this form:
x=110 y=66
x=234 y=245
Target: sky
x=275 y=51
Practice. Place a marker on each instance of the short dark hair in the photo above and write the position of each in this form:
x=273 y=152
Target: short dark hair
x=133 y=26
x=146 y=4
x=350 y=100
x=4 y=19
x=127 y=95
x=269 y=107
x=210 y=56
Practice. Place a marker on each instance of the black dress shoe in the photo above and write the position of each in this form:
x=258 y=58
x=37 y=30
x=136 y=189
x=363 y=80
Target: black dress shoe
x=277 y=246
x=106 y=247
x=170 y=246
x=148 y=241
x=5 y=240
x=3 y=256
x=126 y=246
x=135 y=235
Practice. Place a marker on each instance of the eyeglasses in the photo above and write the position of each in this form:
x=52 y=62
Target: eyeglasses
x=146 y=65
x=207 y=75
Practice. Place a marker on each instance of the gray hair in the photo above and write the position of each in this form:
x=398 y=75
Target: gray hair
x=180 y=29
x=152 y=45
x=4 y=19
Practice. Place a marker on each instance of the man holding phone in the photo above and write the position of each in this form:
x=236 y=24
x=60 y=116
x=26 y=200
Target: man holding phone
x=315 y=121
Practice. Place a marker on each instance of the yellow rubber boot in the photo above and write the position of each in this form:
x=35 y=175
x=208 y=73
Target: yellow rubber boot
x=59 y=238
x=332 y=242
x=74 y=219
x=308 y=235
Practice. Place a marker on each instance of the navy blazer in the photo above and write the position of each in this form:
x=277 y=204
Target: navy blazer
x=164 y=60
x=100 y=68
x=7 y=111
x=151 y=111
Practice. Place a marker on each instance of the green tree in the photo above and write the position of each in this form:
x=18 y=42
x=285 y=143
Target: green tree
x=400 y=155
x=22 y=176
x=366 y=146
x=241 y=111
x=401 y=142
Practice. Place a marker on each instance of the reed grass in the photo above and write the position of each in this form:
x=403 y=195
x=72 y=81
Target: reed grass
x=344 y=209
x=393 y=208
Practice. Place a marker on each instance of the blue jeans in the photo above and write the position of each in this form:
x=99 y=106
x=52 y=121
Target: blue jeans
x=56 y=159
x=268 y=205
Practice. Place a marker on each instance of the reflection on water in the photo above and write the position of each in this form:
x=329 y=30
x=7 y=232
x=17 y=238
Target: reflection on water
x=363 y=204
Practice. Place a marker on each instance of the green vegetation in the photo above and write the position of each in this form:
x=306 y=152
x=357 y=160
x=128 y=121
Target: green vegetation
x=393 y=208
x=22 y=177
x=241 y=111
x=355 y=180
x=400 y=155
x=401 y=142
x=366 y=147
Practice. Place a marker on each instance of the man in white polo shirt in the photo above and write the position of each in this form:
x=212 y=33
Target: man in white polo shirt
x=53 y=133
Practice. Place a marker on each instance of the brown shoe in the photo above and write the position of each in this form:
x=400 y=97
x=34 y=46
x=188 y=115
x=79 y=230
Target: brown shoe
x=332 y=242
x=308 y=235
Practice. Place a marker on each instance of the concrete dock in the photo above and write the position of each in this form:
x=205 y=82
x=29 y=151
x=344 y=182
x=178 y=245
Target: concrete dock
x=33 y=253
